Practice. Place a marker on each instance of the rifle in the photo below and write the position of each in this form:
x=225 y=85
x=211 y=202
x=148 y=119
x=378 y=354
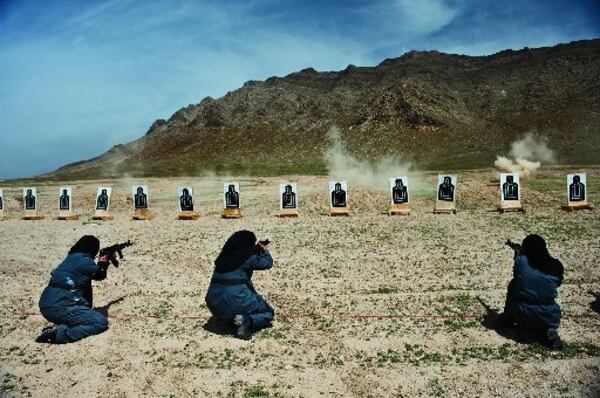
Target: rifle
x=512 y=245
x=265 y=242
x=115 y=249
x=515 y=246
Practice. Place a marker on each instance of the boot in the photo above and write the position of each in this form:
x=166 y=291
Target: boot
x=553 y=339
x=244 y=327
x=48 y=335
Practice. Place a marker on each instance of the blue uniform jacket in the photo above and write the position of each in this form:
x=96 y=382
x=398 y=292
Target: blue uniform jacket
x=236 y=295
x=534 y=296
x=69 y=280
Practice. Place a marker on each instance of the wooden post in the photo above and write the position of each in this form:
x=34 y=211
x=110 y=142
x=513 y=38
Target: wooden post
x=67 y=216
x=580 y=206
x=142 y=214
x=339 y=211
x=102 y=215
x=505 y=207
x=232 y=213
x=31 y=215
x=400 y=209
x=442 y=207
x=187 y=215
x=288 y=213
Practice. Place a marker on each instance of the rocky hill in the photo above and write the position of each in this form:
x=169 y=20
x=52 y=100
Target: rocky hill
x=438 y=110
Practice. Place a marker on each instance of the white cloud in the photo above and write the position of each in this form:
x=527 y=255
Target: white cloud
x=423 y=16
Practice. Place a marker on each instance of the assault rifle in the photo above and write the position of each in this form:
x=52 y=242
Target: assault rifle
x=515 y=246
x=115 y=249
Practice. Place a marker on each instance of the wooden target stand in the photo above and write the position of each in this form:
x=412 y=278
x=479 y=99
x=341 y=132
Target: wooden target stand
x=288 y=213
x=443 y=207
x=31 y=215
x=187 y=215
x=232 y=212
x=67 y=216
x=102 y=215
x=512 y=206
x=142 y=214
x=399 y=209
x=572 y=208
x=339 y=211
x=575 y=206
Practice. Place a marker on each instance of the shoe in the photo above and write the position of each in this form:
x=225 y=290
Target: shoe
x=553 y=339
x=48 y=335
x=46 y=328
x=244 y=327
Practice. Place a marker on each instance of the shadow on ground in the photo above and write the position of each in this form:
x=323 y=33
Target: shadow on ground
x=491 y=321
x=104 y=309
x=595 y=305
x=217 y=326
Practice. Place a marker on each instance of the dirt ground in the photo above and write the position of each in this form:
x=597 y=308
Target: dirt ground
x=366 y=306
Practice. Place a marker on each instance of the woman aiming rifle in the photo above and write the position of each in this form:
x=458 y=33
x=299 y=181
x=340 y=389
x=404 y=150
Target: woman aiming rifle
x=231 y=296
x=530 y=300
x=67 y=300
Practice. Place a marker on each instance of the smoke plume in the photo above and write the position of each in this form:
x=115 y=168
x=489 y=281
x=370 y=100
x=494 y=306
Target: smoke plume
x=526 y=156
x=344 y=166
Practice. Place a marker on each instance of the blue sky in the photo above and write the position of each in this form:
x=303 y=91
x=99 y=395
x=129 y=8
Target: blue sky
x=77 y=77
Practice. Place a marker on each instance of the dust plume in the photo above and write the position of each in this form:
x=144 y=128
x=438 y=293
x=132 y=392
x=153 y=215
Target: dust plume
x=524 y=167
x=344 y=166
x=526 y=156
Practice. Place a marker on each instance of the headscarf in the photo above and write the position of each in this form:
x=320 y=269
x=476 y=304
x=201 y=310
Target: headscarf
x=534 y=247
x=88 y=244
x=237 y=249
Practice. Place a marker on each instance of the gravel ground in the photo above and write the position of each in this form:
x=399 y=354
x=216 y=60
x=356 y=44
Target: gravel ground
x=366 y=306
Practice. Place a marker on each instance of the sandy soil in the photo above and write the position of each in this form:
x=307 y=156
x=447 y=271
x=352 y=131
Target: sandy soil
x=366 y=306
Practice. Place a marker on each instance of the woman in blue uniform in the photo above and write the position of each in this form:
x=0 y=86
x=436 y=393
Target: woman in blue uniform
x=530 y=300
x=231 y=296
x=67 y=300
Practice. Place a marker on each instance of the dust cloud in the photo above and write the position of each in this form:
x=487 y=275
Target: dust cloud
x=526 y=156
x=342 y=165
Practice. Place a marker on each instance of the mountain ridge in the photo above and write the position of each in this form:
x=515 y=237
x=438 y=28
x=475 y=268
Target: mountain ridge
x=432 y=108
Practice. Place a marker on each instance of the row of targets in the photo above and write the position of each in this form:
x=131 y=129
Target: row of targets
x=399 y=191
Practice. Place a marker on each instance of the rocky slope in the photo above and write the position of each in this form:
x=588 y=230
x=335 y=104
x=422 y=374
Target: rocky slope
x=438 y=110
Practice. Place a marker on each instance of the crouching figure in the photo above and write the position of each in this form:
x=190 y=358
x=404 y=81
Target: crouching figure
x=231 y=296
x=531 y=297
x=67 y=300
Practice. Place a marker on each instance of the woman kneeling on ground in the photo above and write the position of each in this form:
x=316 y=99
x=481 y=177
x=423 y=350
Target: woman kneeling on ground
x=530 y=300
x=231 y=296
x=67 y=300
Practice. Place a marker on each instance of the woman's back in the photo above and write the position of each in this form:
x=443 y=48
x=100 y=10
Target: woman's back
x=535 y=286
x=231 y=293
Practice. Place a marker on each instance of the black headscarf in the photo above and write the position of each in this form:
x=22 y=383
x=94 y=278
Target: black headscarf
x=238 y=248
x=87 y=244
x=534 y=247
